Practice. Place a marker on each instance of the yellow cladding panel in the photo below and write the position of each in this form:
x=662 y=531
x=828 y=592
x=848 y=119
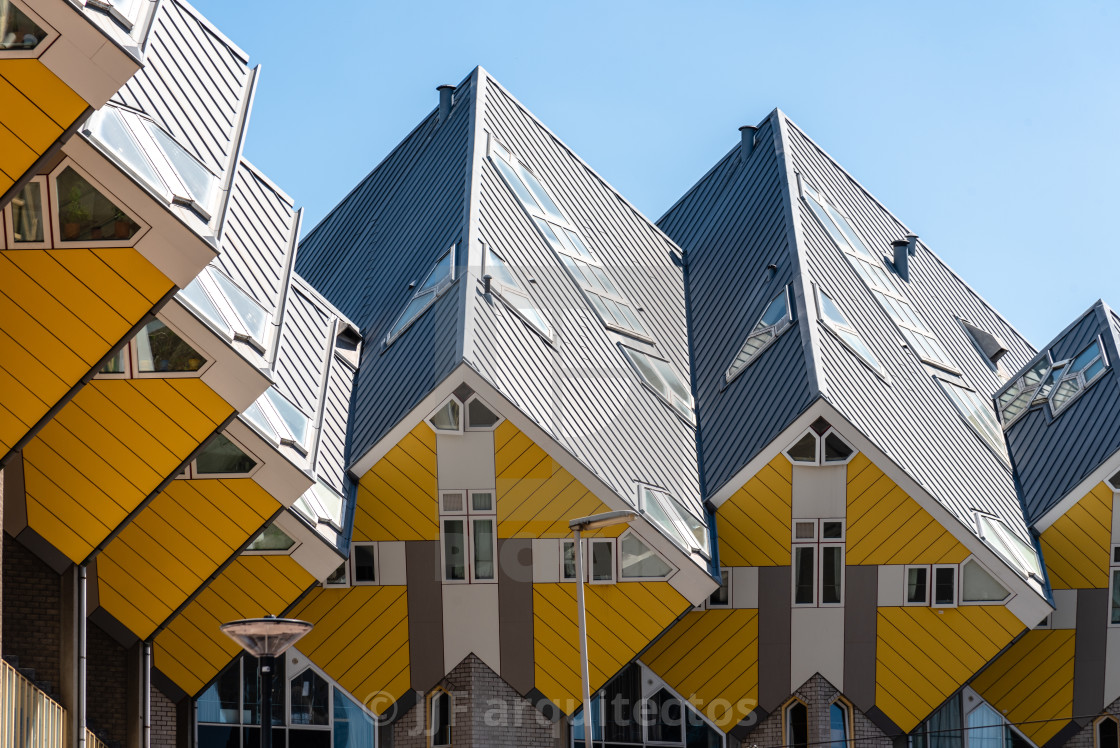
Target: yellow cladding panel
x=621 y=620
x=361 y=640
x=175 y=544
x=397 y=497
x=61 y=311
x=35 y=108
x=1076 y=546
x=754 y=524
x=925 y=654
x=192 y=649
x=108 y=449
x=886 y=526
x=536 y=497
x=1032 y=683
x=711 y=658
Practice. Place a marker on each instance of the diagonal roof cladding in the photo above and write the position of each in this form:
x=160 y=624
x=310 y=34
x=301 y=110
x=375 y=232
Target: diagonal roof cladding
x=747 y=214
x=439 y=188
x=1054 y=452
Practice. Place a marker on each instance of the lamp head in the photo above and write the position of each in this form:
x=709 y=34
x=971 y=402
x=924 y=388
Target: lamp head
x=268 y=636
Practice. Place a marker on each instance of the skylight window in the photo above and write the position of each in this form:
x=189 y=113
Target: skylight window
x=321 y=504
x=978 y=414
x=437 y=280
x=676 y=521
x=837 y=323
x=1084 y=369
x=663 y=379
x=511 y=292
x=213 y=295
x=280 y=420
x=1014 y=549
x=773 y=323
x=615 y=311
x=1059 y=383
x=870 y=268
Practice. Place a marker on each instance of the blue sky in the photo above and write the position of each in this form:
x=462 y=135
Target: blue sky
x=988 y=127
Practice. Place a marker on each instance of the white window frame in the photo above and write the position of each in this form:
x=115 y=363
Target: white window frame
x=778 y=328
x=566 y=543
x=502 y=290
x=1113 y=573
x=589 y=551
x=668 y=506
x=48 y=224
x=41 y=47
x=960 y=584
x=468 y=515
x=465 y=416
x=433 y=295
x=132 y=359
x=668 y=399
x=462 y=416
x=818 y=543
x=344 y=584
x=296 y=543
x=956 y=586
x=1097 y=727
x=190 y=472
x=834 y=329
x=1079 y=376
x=55 y=207
x=673 y=568
x=906 y=585
x=354 y=545
x=726 y=572
x=820 y=460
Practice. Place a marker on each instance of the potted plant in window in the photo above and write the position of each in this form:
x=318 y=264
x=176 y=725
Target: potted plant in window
x=73 y=215
x=122 y=225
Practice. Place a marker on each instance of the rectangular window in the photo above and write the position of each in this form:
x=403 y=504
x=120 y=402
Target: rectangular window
x=602 y=560
x=454 y=551
x=721 y=598
x=804 y=592
x=818 y=562
x=470 y=538
x=484 y=541
x=917 y=585
x=568 y=560
x=1114 y=607
x=363 y=557
x=832 y=572
x=944 y=585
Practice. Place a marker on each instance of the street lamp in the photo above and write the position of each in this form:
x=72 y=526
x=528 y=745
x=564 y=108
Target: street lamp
x=577 y=526
x=266 y=638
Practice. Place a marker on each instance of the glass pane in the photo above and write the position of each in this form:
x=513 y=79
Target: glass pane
x=1115 y=618
x=1093 y=370
x=805 y=530
x=805 y=450
x=838 y=725
x=797 y=725
x=116 y=364
x=1085 y=357
x=517 y=185
x=832 y=572
x=775 y=312
x=1016 y=406
x=87 y=215
x=108 y=128
x=664 y=718
x=413 y=310
x=221 y=701
x=483 y=530
x=602 y=561
x=251 y=314
x=364 y=565
x=256 y=417
x=27 y=214
x=916 y=586
x=305 y=738
x=452 y=502
x=835 y=450
x=338 y=576
x=804 y=571
x=220 y=455
x=538 y=191
x=977 y=585
x=569 y=551
x=292 y=417
x=498 y=269
x=1065 y=392
x=524 y=305
x=200 y=182
x=853 y=238
x=648 y=371
x=580 y=247
x=479 y=416
x=632 y=320
x=441 y=719
x=454 y=550
x=447 y=417
x=829 y=226
x=17 y=31
x=985 y=728
x=1107 y=733
x=722 y=596
x=440 y=274
x=659 y=513
x=272 y=539
x=353 y=728
x=1036 y=373
x=698 y=529
x=831 y=312
x=944 y=586
x=310 y=696
x=215 y=736
x=200 y=300
x=832 y=530
x=329 y=502
x=162 y=350
x=671 y=378
x=860 y=347
x=550 y=235
x=482 y=501
x=638 y=560
x=251 y=688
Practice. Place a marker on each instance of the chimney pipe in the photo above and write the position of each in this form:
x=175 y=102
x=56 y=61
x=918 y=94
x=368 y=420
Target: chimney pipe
x=486 y=283
x=901 y=258
x=912 y=244
x=747 y=135
x=445 y=92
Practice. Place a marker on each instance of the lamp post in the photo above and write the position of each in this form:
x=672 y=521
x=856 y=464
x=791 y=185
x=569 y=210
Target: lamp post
x=578 y=526
x=266 y=639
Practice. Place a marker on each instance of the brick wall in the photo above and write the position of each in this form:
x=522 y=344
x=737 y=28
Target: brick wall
x=106 y=686
x=164 y=716
x=487 y=713
x=32 y=618
x=818 y=695
x=1085 y=738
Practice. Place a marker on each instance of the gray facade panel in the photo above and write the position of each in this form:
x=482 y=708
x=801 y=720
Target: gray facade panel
x=302 y=353
x=861 y=609
x=515 y=612
x=1089 y=651
x=774 y=638
x=425 y=614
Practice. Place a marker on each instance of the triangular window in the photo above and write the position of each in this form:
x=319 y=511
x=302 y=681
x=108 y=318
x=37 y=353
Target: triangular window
x=273 y=539
x=820 y=445
x=17 y=31
x=220 y=456
x=479 y=416
x=510 y=291
x=773 y=322
x=85 y=215
x=448 y=417
x=639 y=561
x=159 y=349
x=835 y=321
x=977 y=585
x=439 y=278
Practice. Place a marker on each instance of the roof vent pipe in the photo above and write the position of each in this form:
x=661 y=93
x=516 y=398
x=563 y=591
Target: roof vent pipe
x=747 y=135
x=445 y=92
x=901 y=258
x=912 y=244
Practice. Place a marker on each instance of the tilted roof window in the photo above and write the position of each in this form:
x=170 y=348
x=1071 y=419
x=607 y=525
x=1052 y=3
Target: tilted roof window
x=233 y=311
x=1059 y=383
x=676 y=521
x=435 y=283
x=321 y=503
x=663 y=379
x=870 y=268
x=1084 y=369
x=279 y=420
x=1016 y=551
x=512 y=293
x=977 y=412
x=773 y=322
x=837 y=323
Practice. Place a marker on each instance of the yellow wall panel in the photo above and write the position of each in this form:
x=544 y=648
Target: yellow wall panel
x=1032 y=683
x=1076 y=546
x=886 y=526
x=754 y=524
x=192 y=650
x=711 y=658
x=371 y=660
x=176 y=543
x=923 y=654
x=622 y=619
x=16 y=157
x=57 y=100
x=397 y=497
x=27 y=121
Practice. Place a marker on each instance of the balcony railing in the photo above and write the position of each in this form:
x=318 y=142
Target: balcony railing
x=28 y=717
